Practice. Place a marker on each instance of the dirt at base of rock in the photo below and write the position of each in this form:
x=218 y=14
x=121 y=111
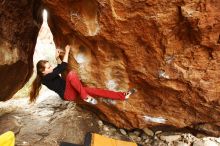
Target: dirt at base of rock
x=52 y=120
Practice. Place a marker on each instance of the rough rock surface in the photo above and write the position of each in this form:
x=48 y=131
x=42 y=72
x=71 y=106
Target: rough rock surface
x=47 y=122
x=18 y=34
x=52 y=120
x=168 y=50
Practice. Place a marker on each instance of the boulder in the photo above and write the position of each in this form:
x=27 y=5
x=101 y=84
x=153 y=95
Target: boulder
x=18 y=34
x=169 y=51
x=170 y=138
x=205 y=143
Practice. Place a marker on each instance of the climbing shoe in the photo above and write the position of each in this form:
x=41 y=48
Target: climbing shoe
x=91 y=100
x=129 y=92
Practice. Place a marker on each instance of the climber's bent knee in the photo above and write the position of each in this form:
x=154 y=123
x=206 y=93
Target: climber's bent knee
x=72 y=73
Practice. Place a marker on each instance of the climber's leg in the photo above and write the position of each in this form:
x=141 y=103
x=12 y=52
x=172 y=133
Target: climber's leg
x=74 y=87
x=105 y=93
x=70 y=93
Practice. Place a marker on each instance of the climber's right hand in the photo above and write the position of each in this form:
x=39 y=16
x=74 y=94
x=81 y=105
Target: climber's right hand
x=67 y=48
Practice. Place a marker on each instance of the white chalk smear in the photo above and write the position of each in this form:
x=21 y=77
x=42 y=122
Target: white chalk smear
x=154 y=119
x=80 y=58
x=162 y=74
x=111 y=85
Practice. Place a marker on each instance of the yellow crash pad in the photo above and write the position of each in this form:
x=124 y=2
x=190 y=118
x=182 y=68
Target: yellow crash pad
x=7 y=139
x=99 y=140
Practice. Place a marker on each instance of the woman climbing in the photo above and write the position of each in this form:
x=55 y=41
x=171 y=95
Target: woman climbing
x=69 y=89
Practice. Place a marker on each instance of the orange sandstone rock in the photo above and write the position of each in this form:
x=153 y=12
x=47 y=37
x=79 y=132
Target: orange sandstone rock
x=168 y=50
x=18 y=33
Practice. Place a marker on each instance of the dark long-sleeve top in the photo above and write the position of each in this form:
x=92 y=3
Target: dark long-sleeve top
x=53 y=80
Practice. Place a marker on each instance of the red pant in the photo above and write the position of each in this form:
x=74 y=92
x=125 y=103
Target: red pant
x=74 y=87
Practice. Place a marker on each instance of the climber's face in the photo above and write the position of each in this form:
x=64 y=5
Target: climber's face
x=48 y=68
